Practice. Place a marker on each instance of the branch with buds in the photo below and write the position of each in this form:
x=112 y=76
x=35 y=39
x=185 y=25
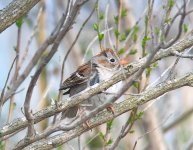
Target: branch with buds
x=130 y=69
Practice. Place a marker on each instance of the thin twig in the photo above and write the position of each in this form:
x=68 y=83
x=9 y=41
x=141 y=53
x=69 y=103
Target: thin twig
x=118 y=22
x=30 y=39
x=125 y=129
x=130 y=70
x=5 y=85
x=68 y=22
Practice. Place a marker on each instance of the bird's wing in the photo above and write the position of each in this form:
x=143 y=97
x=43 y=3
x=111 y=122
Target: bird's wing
x=83 y=74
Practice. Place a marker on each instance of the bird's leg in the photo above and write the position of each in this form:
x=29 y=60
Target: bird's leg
x=82 y=112
x=111 y=108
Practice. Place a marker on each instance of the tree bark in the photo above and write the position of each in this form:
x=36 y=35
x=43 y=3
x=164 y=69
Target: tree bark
x=14 y=11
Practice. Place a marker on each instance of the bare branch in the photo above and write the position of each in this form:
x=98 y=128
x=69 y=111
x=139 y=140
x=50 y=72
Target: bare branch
x=15 y=10
x=129 y=70
x=104 y=116
x=125 y=129
x=176 y=53
x=64 y=29
x=178 y=120
x=3 y=91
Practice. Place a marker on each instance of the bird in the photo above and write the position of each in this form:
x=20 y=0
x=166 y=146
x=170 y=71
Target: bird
x=99 y=68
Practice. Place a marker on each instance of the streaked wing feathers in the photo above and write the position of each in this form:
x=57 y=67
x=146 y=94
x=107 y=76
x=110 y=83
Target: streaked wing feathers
x=82 y=75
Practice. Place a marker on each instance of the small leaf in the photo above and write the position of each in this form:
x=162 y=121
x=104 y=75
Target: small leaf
x=144 y=41
x=168 y=20
x=95 y=27
x=170 y=3
x=134 y=37
x=116 y=19
x=148 y=71
x=124 y=12
x=133 y=52
x=139 y=115
x=101 y=16
x=116 y=33
x=60 y=148
x=102 y=135
x=14 y=105
x=157 y=30
x=155 y=65
x=110 y=141
x=136 y=84
x=134 y=34
x=122 y=37
x=109 y=124
x=19 y=22
x=128 y=31
x=1 y=145
x=101 y=36
x=121 y=51
x=185 y=28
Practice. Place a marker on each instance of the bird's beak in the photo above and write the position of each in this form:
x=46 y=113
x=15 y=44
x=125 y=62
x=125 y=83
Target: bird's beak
x=124 y=61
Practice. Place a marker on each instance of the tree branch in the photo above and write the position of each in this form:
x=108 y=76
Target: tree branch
x=61 y=106
x=104 y=116
x=15 y=10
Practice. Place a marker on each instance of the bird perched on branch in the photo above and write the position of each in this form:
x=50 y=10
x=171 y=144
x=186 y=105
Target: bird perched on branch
x=101 y=67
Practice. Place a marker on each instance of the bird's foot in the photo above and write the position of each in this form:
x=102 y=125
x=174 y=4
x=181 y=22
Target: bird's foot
x=111 y=108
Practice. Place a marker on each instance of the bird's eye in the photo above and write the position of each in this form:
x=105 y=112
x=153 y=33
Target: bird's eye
x=112 y=60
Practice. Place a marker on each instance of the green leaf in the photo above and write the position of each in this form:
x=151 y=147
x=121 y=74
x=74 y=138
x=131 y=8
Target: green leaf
x=128 y=31
x=102 y=135
x=170 y=3
x=124 y=12
x=1 y=145
x=101 y=16
x=157 y=30
x=185 y=26
x=148 y=71
x=116 y=33
x=121 y=51
x=96 y=143
x=95 y=27
x=168 y=20
x=122 y=37
x=19 y=22
x=134 y=37
x=134 y=33
x=155 y=65
x=110 y=141
x=109 y=124
x=60 y=148
x=116 y=19
x=139 y=115
x=144 y=41
x=136 y=84
x=133 y=52
x=101 y=36
x=14 y=105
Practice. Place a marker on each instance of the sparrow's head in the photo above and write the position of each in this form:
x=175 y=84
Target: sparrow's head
x=107 y=59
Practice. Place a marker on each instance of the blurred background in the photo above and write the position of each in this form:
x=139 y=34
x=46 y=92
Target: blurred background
x=154 y=129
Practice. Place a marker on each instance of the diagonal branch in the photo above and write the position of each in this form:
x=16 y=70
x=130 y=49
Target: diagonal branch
x=69 y=20
x=15 y=10
x=104 y=116
x=129 y=70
